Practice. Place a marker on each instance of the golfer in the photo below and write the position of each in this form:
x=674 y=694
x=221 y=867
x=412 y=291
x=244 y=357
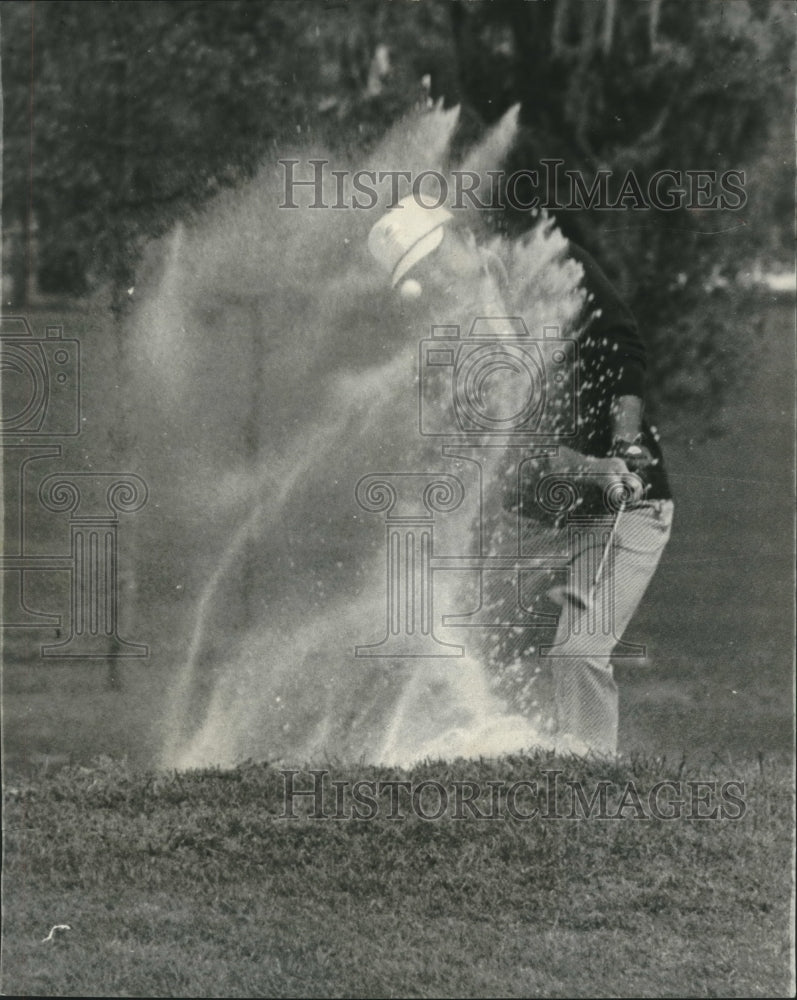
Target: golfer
x=429 y=255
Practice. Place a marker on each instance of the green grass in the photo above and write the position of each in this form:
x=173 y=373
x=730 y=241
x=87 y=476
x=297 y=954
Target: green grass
x=192 y=885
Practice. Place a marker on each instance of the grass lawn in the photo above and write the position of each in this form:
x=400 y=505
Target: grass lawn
x=193 y=885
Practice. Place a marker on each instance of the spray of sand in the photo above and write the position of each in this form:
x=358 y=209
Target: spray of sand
x=279 y=373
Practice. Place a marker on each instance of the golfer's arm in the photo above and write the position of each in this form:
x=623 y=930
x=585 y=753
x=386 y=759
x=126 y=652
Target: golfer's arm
x=626 y=414
x=576 y=462
x=628 y=388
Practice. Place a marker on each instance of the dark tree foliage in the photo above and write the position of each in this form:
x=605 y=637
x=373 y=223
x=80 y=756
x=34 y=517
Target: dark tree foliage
x=121 y=117
x=624 y=86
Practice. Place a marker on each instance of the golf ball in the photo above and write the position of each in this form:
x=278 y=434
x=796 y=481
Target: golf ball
x=411 y=289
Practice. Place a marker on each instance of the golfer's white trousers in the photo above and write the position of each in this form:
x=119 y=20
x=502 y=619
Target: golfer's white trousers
x=593 y=620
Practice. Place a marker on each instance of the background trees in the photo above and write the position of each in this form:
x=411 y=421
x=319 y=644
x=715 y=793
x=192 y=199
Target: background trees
x=122 y=117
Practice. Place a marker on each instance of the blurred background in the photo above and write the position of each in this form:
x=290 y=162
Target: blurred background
x=123 y=119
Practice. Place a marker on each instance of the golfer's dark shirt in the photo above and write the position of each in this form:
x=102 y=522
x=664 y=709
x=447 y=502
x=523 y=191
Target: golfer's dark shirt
x=612 y=362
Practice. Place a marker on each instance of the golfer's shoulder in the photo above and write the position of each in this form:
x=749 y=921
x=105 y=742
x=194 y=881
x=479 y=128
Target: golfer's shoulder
x=604 y=297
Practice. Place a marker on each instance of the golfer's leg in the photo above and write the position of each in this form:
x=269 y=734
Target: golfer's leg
x=585 y=691
x=641 y=537
x=586 y=705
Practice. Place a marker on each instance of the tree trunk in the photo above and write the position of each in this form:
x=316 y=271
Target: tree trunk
x=653 y=24
x=608 y=26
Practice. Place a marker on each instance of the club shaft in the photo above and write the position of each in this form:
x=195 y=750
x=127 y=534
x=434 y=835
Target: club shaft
x=606 y=550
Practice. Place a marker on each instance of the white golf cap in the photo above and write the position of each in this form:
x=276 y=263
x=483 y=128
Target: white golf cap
x=406 y=235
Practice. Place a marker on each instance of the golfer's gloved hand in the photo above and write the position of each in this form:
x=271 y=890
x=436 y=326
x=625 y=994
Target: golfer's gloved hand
x=636 y=456
x=619 y=472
